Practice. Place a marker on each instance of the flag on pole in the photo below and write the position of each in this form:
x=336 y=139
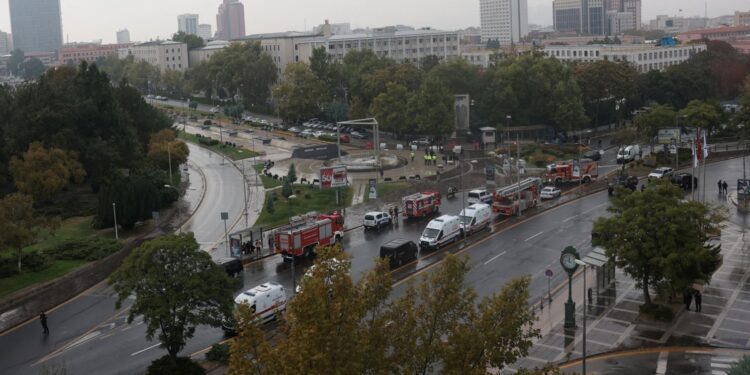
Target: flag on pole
x=695 y=153
x=705 y=146
x=698 y=146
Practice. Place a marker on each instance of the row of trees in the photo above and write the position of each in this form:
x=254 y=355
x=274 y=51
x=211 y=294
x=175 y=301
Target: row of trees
x=334 y=325
x=72 y=127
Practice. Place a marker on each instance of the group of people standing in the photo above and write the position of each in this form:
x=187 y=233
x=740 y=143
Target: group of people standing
x=393 y=211
x=723 y=186
x=688 y=297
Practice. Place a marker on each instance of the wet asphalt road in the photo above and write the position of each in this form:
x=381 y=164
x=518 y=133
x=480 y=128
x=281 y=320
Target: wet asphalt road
x=94 y=338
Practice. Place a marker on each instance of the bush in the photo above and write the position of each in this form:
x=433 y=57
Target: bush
x=307 y=195
x=8 y=265
x=89 y=249
x=269 y=204
x=327 y=138
x=183 y=366
x=218 y=353
x=658 y=312
x=740 y=368
x=286 y=190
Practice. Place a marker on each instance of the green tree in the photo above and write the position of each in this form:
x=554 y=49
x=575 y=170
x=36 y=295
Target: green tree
x=742 y=118
x=269 y=204
x=569 y=113
x=604 y=83
x=192 y=41
x=652 y=252
x=20 y=224
x=32 y=69
x=432 y=108
x=301 y=94
x=176 y=287
x=336 y=326
x=42 y=173
x=15 y=62
x=291 y=175
x=391 y=108
x=648 y=123
x=703 y=115
x=429 y=62
x=135 y=197
x=242 y=68
x=286 y=190
x=742 y=367
x=164 y=149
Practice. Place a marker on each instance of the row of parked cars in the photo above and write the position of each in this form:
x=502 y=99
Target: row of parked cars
x=319 y=125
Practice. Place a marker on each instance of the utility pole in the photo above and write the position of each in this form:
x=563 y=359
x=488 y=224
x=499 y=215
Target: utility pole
x=169 y=157
x=244 y=191
x=114 y=215
x=518 y=169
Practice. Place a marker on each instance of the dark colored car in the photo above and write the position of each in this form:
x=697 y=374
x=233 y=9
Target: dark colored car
x=683 y=180
x=233 y=266
x=399 y=252
x=629 y=182
x=594 y=155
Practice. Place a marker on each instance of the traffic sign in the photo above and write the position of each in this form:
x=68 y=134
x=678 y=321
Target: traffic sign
x=549 y=272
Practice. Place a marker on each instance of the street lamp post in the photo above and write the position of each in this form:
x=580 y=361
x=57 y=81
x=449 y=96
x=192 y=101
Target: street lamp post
x=169 y=158
x=114 y=215
x=244 y=190
x=584 y=265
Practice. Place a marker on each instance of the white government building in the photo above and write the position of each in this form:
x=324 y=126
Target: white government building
x=167 y=55
x=644 y=57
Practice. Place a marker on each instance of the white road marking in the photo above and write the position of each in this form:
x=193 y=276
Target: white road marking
x=595 y=207
x=143 y=350
x=661 y=365
x=495 y=257
x=570 y=218
x=534 y=236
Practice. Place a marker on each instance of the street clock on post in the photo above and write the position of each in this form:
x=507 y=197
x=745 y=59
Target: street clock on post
x=568 y=259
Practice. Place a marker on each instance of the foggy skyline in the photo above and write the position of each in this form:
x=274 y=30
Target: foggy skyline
x=87 y=20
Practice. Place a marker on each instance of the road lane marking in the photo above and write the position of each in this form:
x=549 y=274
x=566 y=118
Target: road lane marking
x=143 y=350
x=570 y=218
x=595 y=207
x=495 y=257
x=534 y=236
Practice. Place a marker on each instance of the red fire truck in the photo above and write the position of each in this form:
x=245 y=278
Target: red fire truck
x=304 y=233
x=421 y=204
x=572 y=171
x=506 y=202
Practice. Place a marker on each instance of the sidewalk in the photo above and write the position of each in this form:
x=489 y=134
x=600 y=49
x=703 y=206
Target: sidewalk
x=614 y=322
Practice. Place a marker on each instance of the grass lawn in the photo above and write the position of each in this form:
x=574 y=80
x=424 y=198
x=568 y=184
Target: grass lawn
x=387 y=188
x=319 y=200
x=268 y=182
x=58 y=268
x=69 y=229
x=235 y=153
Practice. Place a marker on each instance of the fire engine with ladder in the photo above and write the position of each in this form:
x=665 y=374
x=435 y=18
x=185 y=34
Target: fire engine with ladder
x=420 y=205
x=305 y=232
x=506 y=202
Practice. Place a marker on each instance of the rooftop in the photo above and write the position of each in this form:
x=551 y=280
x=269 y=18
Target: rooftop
x=725 y=29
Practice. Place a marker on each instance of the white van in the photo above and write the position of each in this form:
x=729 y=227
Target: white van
x=265 y=300
x=440 y=231
x=479 y=196
x=628 y=154
x=475 y=217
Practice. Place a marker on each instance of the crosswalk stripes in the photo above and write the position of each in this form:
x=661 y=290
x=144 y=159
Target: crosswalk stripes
x=720 y=365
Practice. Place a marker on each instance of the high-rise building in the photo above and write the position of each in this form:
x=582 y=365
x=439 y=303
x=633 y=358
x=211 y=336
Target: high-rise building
x=582 y=16
x=204 y=31
x=624 y=15
x=6 y=43
x=188 y=23
x=123 y=36
x=36 y=25
x=504 y=21
x=230 y=22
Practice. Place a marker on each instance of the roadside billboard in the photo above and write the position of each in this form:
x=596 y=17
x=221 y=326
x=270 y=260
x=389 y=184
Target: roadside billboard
x=680 y=135
x=333 y=177
x=743 y=188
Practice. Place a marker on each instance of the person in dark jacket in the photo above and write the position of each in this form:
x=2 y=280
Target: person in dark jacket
x=698 y=300
x=687 y=299
x=43 y=320
x=725 y=186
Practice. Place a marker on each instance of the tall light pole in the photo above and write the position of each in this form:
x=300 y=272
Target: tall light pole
x=244 y=190
x=169 y=157
x=585 y=308
x=114 y=215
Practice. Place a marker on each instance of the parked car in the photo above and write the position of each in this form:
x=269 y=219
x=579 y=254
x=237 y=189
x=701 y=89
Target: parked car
x=475 y=217
x=376 y=219
x=594 y=155
x=344 y=138
x=295 y=130
x=232 y=266
x=216 y=109
x=550 y=192
x=628 y=154
x=440 y=231
x=357 y=135
x=399 y=252
x=424 y=141
x=683 y=180
x=661 y=172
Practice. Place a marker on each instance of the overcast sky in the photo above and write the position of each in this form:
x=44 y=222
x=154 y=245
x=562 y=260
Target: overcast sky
x=86 y=20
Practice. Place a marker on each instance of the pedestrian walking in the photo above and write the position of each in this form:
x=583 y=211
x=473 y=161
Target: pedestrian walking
x=43 y=320
x=687 y=299
x=698 y=300
x=395 y=213
x=412 y=156
x=640 y=154
x=720 y=186
x=726 y=187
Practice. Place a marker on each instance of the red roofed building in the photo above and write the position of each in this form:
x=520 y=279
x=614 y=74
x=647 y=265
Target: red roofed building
x=721 y=33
